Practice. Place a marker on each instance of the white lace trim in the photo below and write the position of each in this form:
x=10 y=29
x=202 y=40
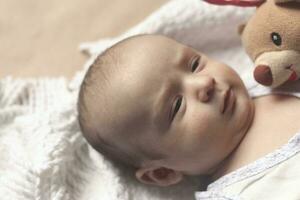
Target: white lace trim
x=214 y=195
x=260 y=165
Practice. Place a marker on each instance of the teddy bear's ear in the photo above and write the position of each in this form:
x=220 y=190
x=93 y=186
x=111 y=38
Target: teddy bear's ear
x=285 y=1
x=241 y=28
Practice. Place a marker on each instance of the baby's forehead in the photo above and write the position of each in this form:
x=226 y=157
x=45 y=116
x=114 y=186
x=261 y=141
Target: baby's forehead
x=158 y=53
x=134 y=84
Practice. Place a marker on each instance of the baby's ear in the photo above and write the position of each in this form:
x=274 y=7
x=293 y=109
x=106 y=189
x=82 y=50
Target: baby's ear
x=241 y=28
x=159 y=176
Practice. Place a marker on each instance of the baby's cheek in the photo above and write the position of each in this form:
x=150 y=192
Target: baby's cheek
x=200 y=129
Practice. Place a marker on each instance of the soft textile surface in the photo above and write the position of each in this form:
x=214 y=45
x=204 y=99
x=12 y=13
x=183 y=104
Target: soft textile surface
x=43 y=155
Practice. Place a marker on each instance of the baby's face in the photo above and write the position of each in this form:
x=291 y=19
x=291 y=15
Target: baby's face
x=198 y=109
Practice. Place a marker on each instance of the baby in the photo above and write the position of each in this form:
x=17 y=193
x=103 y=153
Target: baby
x=170 y=111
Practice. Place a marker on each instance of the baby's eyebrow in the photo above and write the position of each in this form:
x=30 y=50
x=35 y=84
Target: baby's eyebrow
x=161 y=107
x=162 y=104
x=186 y=54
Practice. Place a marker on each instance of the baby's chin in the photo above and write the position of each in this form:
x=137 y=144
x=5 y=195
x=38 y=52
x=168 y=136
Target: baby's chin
x=244 y=116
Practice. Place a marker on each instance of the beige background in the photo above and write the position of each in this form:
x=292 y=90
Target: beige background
x=41 y=38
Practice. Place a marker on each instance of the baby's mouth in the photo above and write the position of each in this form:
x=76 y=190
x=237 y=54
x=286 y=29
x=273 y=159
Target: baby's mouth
x=228 y=100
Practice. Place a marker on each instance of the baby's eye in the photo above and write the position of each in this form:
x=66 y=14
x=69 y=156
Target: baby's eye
x=195 y=63
x=176 y=107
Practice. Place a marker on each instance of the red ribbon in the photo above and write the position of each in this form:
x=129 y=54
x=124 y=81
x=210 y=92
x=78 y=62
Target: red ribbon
x=242 y=3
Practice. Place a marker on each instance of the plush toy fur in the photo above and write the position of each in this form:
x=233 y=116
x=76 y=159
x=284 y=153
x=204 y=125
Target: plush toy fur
x=272 y=40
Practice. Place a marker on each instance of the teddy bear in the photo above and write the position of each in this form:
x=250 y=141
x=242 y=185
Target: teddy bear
x=271 y=38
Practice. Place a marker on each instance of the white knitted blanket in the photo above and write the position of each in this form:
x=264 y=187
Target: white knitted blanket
x=43 y=155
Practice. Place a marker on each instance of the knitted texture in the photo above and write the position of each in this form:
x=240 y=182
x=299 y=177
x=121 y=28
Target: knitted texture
x=44 y=156
x=40 y=143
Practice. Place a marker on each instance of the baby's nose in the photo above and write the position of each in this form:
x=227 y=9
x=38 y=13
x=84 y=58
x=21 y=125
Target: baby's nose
x=206 y=88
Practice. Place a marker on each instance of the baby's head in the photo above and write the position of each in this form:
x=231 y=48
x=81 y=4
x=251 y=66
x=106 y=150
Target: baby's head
x=163 y=108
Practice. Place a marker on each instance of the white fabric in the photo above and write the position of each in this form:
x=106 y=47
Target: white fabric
x=43 y=155
x=275 y=176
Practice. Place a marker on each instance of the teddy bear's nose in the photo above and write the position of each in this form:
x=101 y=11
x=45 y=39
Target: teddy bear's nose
x=263 y=75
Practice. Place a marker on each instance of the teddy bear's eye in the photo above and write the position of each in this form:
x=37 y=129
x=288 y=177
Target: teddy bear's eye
x=276 y=38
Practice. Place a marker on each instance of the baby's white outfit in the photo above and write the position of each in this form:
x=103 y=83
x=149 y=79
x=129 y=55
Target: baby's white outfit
x=275 y=176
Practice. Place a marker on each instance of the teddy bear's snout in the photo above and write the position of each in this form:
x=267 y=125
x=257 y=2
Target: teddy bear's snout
x=263 y=75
